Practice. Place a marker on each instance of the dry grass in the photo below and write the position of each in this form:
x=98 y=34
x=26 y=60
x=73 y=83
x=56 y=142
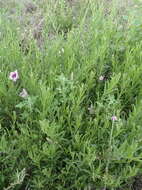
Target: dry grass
x=31 y=18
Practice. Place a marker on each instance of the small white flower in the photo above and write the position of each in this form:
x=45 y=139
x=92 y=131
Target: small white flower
x=101 y=78
x=23 y=94
x=91 y=110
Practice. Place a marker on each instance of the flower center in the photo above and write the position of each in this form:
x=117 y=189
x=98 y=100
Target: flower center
x=14 y=75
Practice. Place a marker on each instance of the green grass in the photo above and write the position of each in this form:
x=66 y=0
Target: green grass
x=62 y=137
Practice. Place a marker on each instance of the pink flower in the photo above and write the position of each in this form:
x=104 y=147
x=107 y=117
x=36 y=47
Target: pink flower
x=23 y=94
x=114 y=118
x=101 y=78
x=14 y=76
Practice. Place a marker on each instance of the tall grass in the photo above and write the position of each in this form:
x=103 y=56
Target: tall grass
x=62 y=135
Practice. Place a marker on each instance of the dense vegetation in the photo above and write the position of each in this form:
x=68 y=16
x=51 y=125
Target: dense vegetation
x=70 y=96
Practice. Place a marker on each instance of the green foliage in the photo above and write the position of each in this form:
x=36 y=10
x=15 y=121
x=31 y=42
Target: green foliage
x=62 y=135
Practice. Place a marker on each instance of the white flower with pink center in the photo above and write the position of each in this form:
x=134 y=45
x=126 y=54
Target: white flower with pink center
x=14 y=76
x=114 y=118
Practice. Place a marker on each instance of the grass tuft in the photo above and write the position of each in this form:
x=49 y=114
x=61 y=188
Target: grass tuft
x=71 y=118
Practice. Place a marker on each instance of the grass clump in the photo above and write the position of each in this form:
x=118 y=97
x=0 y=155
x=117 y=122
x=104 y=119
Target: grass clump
x=70 y=98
